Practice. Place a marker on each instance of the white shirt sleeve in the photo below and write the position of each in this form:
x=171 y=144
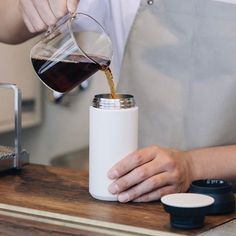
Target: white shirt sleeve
x=117 y=17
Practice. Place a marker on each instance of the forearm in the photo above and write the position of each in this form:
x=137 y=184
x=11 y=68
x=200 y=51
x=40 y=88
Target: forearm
x=13 y=29
x=213 y=162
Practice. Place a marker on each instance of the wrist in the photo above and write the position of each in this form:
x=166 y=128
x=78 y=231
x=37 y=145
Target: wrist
x=191 y=165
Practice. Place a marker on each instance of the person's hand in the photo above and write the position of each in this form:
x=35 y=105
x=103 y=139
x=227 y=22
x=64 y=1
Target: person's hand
x=149 y=173
x=39 y=14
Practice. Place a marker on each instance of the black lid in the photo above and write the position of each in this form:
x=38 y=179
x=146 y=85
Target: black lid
x=220 y=190
x=187 y=210
x=187 y=218
x=211 y=186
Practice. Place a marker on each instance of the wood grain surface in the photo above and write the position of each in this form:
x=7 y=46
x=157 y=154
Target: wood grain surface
x=21 y=227
x=54 y=199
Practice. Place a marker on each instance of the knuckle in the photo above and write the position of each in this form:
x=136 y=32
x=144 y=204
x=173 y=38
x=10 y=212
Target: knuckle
x=120 y=170
x=138 y=158
x=176 y=175
x=72 y=5
x=122 y=184
x=40 y=27
x=170 y=163
x=177 y=189
x=143 y=173
x=60 y=12
x=162 y=192
x=155 y=148
x=51 y=21
x=134 y=193
x=152 y=183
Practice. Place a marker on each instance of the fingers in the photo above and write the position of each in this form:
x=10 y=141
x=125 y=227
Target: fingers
x=58 y=10
x=45 y=11
x=28 y=23
x=31 y=16
x=144 y=188
x=38 y=15
x=147 y=174
x=72 y=5
x=132 y=161
x=156 y=194
x=135 y=177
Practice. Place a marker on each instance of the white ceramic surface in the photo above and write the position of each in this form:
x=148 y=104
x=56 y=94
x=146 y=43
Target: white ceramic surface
x=113 y=135
x=187 y=200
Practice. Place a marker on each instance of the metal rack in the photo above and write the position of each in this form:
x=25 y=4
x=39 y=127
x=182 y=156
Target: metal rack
x=14 y=157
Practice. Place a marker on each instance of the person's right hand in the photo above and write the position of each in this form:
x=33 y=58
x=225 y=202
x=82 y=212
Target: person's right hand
x=39 y=14
x=150 y=173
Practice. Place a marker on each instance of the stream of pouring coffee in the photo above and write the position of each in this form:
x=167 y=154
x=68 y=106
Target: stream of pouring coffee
x=110 y=81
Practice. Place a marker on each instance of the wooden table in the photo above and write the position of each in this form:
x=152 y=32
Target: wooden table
x=43 y=200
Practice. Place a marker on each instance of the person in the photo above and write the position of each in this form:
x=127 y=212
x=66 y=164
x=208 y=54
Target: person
x=23 y=19
x=178 y=59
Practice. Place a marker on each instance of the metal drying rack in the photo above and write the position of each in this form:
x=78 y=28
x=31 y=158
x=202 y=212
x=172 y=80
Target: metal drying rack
x=14 y=157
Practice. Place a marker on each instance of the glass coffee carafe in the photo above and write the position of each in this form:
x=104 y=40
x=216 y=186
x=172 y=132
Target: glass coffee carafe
x=71 y=51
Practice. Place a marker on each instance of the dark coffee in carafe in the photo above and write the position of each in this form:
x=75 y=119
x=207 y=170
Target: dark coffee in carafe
x=63 y=76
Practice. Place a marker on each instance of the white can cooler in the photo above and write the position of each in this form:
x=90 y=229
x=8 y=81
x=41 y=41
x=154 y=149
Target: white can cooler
x=113 y=135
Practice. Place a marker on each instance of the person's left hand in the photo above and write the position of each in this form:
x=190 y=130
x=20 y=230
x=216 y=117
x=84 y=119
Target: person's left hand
x=148 y=174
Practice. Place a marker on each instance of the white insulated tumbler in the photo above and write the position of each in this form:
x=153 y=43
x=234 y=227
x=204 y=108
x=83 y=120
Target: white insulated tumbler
x=113 y=135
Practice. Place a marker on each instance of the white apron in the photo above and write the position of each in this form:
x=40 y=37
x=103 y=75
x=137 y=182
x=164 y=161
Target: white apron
x=180 y=64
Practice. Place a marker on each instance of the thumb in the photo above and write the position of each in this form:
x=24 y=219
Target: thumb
x=72 y=5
